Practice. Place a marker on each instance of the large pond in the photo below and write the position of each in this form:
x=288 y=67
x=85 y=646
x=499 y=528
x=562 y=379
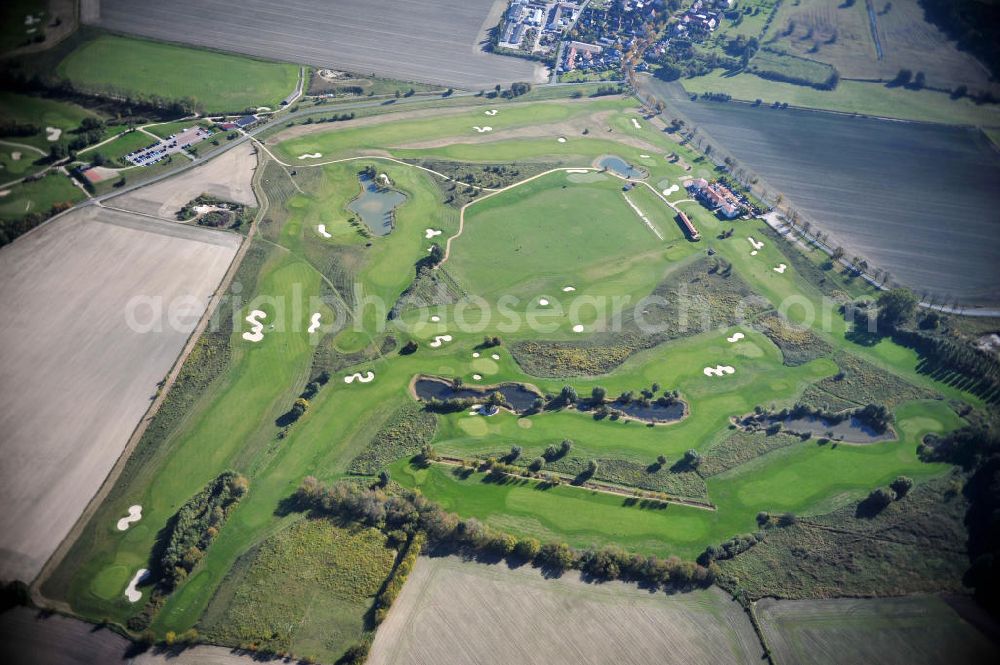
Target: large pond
x=621 y=167
x=520 y=398
x=375 y=205
x=851 y=429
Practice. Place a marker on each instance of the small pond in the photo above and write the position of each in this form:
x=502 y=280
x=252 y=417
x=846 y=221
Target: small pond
x=518 y=396
x=375 y=205
x=653 y=413
x=851 y=429
x=621 y=167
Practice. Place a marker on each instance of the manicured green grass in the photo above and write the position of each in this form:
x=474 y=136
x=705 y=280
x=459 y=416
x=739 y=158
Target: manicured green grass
x=39 y=196
x=524 y=241
x=28 y=109
x=216 y=82
x=851 y=97
x=166 y=129
x=327 y=577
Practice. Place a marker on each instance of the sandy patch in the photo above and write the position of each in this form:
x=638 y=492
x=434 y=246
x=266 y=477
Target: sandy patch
x=644 y=156
x=435 y=318
x=781 y=268
x=577 y=171
x=718 y=370
x=314 y=323
x=322 y=231
x=367 y=377
x=569 y=289
x=635 y=123
x=311 y=155
x=735 y=338
x=482 y=130
x=430 y=233
x=477 y=377
x=495 y=356
x=263 y=108
x=475 y=354
x=4 y=193
x=578 y=328
x=134 y=515
x=756 y=245
x=16 y=156
x=543 y=302
x=491 y=112
x=670 y=190
x=53 y=133
x=753 y=253
x=131 y=592
x=561 y=139
x=257 y=331
x=439 y=340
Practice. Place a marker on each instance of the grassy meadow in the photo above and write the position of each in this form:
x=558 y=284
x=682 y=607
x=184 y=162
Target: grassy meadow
x=528 y=241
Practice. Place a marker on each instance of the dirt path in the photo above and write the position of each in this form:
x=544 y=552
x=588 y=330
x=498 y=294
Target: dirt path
x=591 y=485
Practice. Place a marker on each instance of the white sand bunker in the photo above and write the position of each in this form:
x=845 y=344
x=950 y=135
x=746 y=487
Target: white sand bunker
x=568 y=289
x=430 y=233
x=257 y=333
x=311 y=155
x=753 y=253
x=491 y=112
x=131 y=592
x=439 y=340
x=263 y=108
x=561 y=139
x=134 y=515
x=578 y=328
x=482 y=129
x=4 y=193
x=367 y=377
x=435 y=318
x=314 y=322
x=15 y=156
x=644 y=156
x=495 y=356
x=577 y=171
x=735 y=338
x=754 y=243
x=543 y=302
x=477 y=377
x=670 y=190
x=53 y=133
x=322 y=231
x=719 y=370
x=635 y=123
x=475 y=354
x=781 y=268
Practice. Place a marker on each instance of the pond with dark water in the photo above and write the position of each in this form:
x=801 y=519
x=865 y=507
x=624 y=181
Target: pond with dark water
x=520 y=398
x=851 y=429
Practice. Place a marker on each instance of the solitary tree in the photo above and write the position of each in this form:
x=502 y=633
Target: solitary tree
x=901 y=486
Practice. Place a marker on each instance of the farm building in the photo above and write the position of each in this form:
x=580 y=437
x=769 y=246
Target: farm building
x=246 y=121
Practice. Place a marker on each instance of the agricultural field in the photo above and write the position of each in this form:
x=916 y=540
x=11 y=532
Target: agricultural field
x=216 y=82
x=442 y=604
x=353 y=36
x=815 y=158
x=309 y=369
x=914 y=629
x=66 y=391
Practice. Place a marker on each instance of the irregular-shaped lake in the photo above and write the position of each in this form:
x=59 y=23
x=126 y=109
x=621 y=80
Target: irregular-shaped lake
x=375 y=205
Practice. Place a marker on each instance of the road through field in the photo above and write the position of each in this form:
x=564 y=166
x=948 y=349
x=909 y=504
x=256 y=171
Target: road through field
x=435 y=41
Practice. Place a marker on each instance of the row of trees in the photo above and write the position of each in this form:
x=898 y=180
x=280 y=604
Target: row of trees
x=412 y=513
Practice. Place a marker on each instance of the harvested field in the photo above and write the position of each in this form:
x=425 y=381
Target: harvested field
x=446 y=601
x=928 y=210
x=405 y=42
x=917 y=630
x=76 y=378
x=227 y=177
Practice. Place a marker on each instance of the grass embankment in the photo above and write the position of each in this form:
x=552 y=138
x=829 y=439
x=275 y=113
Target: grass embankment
x=216 y=82
x=31 y=110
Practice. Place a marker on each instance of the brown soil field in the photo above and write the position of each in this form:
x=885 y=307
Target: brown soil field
x=914 y=630
x=829 y=31
x=227 y=176
x=76 y=376
x=457 y=612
